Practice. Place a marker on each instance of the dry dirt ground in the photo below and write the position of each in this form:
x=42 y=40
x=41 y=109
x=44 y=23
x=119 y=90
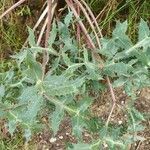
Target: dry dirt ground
x=101 y=109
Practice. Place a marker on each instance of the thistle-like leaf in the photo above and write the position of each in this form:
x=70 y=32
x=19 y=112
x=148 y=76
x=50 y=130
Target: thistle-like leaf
x=144 y=30
x=61 y=85
x=31 y=39
x=55 y=118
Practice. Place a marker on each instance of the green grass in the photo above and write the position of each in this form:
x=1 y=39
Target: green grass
x=12 y=31
x=112 y=10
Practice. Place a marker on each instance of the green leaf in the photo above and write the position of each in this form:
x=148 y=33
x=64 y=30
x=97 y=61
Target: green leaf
x=84 y=104
x=118 y=68
x=2 y=91
x=94 y=73
x=31 y=112
x=120 y=28
x=86 y=56
x=53 y=35
x=120 y=37
x=35 y=71
x=27 y=134
x=61 y=85
x=78 y=125
x=114 y=143
x=66 y=59
x=81 y=146
x=39 y=49
x=144 y=57
x=137 y=127
x=143 y=43
x=69 y=45
x=12 y=126
x=27 y=94
x=143 y=30
x=20 y=57
x=109 y=47
x=33 y=102
x=56 y=118
x=120 y=82
x=68 y=18
x=31 y=37
x=133 y=138
x=72 y=68
x=138 y=115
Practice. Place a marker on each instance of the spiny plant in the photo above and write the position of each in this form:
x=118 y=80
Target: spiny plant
x=63 y=80
x=62 y=84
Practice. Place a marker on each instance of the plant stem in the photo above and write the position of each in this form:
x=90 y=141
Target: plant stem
x=45 y=53
x=113 y=100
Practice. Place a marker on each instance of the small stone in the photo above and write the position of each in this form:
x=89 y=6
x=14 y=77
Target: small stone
x=86 y=134
x=120 y=121
x=122 y=102
x=67 y=133
x=105 y=145
x=61 y=137
x=52 y=140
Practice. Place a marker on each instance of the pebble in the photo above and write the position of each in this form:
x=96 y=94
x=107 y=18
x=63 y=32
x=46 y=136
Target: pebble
x=52 y=140
x=61 y=137
x=120 y=121
x=67 y=133
x=122 y=102
x=105 y=145
x=86 y=134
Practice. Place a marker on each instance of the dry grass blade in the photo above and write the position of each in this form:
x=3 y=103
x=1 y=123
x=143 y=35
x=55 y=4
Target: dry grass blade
x=45 y=53
x=89 y=20
x=93 y=17
x=93 y=47
x=81 y=24
x=42 y=32
x=41 y=18
x=113 y=100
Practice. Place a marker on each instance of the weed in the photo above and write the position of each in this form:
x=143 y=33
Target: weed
x=60 y=86
x=63 y=82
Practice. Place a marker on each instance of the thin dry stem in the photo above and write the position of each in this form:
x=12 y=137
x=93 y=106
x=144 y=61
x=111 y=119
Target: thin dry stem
x=45 y=53
x=42 y=32
x=81 y=24
x=83 y=28
x=113 y=100
x=93 y=17
x=41 y=18
x=89 y=20
x=78 y=27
